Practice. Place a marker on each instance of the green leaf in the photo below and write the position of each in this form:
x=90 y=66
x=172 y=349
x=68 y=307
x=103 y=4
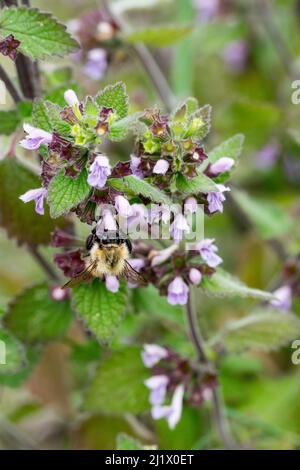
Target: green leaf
x=270 y=220
x=57 y=124
x=198 y=184
x=20 y=220
x=158 y=36
x=264 y=329
x=40 y=34
x=149 y=301
x=231 y=148
x=125 y=442
x=118 y=130
x=33 y=317
x=222 y=284
x=9 y=121
x=85 y=353
x=101 y=310
x=115 y=97
x=12 y=354
x=25 y=109
x=118 y=386
x=140 y=188
x=40 y=117
x=15 y=379
x=46 y=116
x=204 y=115
x=65 y=193
x=186 y=108
x=90 y=107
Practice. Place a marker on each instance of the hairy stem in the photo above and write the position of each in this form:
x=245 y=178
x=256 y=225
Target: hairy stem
x=148 y=62
x=157 y=77
x=44 y=264
x=10 y=86
x=24 y=68
x=194 y=331
x=219 y=417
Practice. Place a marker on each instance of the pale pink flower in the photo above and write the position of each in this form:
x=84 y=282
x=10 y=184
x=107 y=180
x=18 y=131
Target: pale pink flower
x=37 y=195
x=152 y=354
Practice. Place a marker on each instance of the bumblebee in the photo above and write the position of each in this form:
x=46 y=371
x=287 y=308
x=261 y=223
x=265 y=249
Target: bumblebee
x=105 y=256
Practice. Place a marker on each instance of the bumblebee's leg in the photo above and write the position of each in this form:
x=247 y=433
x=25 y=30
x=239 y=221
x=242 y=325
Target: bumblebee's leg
x=89 y=241
x=129 y=245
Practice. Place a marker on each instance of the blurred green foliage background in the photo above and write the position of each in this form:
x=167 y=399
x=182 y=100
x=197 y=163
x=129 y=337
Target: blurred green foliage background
x=243 y=62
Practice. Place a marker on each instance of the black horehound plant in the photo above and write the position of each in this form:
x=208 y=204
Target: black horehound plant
x=68 y=141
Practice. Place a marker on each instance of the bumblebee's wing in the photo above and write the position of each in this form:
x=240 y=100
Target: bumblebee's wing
x=132 y=275
x=84 y=276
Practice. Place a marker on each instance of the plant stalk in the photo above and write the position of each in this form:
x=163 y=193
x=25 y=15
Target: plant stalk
x=148 y=62
x=219 y=417
x=10 y=86
x=44 y=264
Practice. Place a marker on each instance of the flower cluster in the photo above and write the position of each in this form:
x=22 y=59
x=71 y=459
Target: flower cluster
x=170 y=153
x=173 y=270
x=174 y=379
x=87 y=125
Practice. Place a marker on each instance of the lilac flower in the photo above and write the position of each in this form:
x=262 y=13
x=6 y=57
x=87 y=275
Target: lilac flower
x=178 y=292
x=190 y=205
x=283 y=299
x=179 y=227
x=36 y=195
x=73 y=26
x=99 y=171
x=136 y=263
x=195 y=276
x=152 y=354
x=35 y=138
x=138 y=217
x=208 y=9
x=221 y=166
x=163 y=255
x=71 y=97
x=235 y=56
x=267 y=156
x=173 y=411
x=106 y=223
x=96 y=64
x=135 y=166
x=207 y=251
x=215 y=199
x=112 y=283
x=161 y=167
x=158 y=212
x=122 y=206
x=158 y=386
